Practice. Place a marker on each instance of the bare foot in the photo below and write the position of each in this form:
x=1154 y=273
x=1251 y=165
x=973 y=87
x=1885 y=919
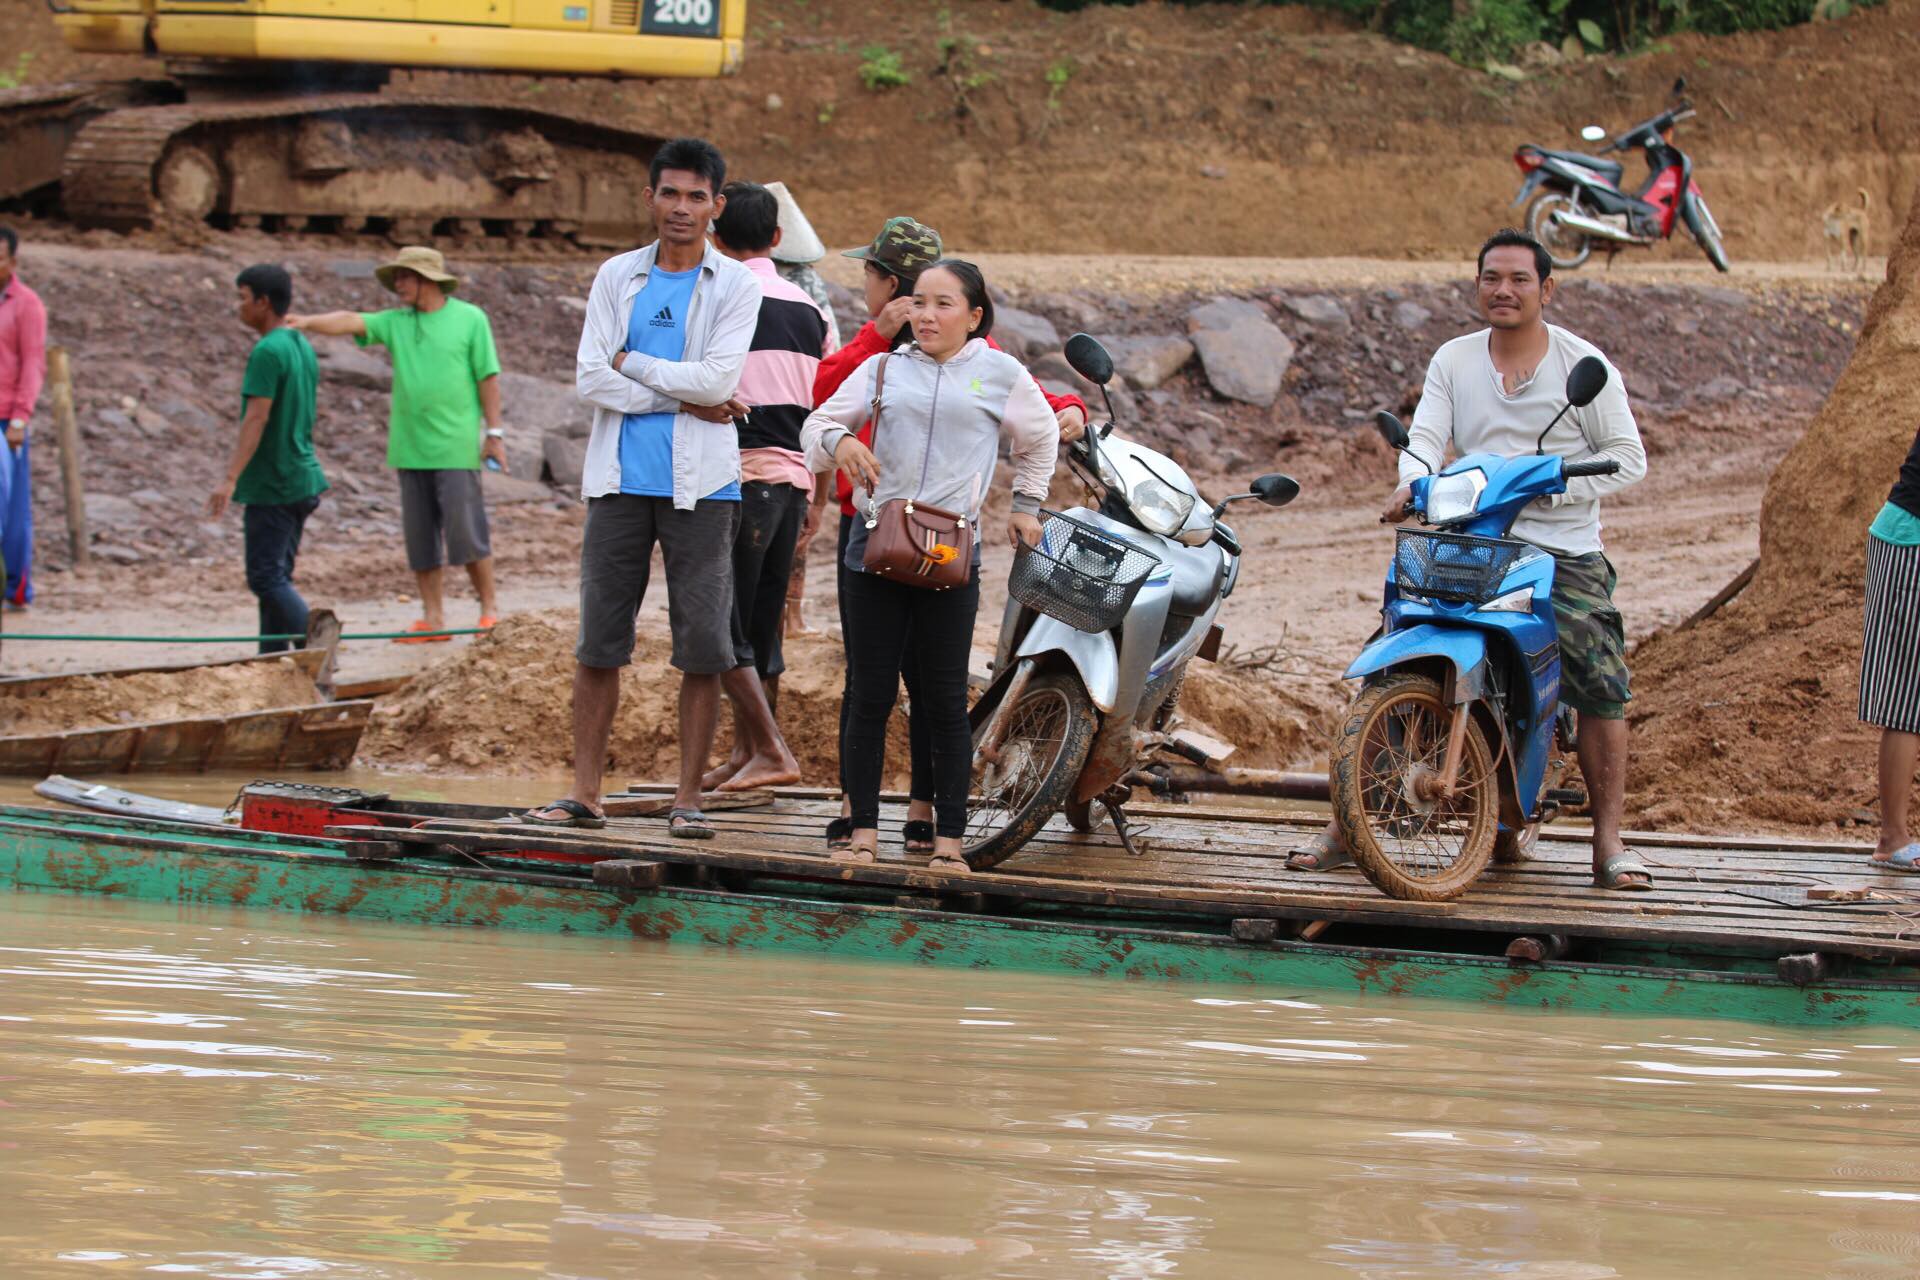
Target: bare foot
x=715 y=779
x=764 y=771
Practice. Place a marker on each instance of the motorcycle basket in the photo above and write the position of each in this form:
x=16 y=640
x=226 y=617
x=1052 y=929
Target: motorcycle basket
x=1079 y=574
x=1453 y=566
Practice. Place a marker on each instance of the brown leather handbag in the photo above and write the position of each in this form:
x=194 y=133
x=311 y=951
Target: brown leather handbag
x=909 y=541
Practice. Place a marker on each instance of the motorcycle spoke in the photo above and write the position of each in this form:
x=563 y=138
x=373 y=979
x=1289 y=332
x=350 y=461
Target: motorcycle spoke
x=1033 y=741
x=1423 y=838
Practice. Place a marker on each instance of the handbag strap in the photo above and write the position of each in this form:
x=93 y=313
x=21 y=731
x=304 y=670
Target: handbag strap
x=926 y=456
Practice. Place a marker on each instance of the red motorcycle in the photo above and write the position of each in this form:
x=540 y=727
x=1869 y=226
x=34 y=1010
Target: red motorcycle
x=1578 y=204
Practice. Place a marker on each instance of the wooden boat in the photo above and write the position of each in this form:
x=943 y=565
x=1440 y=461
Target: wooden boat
x=1760 y=929
x=315 y=735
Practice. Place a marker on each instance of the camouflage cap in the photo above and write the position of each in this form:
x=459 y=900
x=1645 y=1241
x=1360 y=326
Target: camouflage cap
x=903 y=246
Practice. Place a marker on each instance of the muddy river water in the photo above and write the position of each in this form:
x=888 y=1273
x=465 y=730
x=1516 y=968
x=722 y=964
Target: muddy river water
x=212 y=1092
x=217 y=1093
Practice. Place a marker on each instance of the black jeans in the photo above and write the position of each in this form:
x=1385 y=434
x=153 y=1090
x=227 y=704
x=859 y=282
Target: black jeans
x=919 y=746
x=889 y=619
x=770 y=520
x=271 y=534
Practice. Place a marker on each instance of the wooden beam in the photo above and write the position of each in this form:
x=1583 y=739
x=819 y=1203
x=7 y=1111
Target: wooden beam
x=67 y=432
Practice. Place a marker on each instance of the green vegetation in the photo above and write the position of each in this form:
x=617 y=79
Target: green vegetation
x=14 y=77
x=1059 y=73
x=880 y=69
x=1479 y=31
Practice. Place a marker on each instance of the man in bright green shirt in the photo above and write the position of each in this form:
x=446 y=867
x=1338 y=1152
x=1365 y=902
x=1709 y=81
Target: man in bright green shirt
x=273 y=472
x=446 y=385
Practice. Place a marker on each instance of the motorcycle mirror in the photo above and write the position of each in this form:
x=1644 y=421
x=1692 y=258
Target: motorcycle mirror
x=1276 y=490
x=1391 y=430
x=1587 y=380
x=1089 y=359
x=1594 y=133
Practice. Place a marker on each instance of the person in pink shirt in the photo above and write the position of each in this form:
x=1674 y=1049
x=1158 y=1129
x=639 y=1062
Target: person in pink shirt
x=776 y=487
x=23 y=368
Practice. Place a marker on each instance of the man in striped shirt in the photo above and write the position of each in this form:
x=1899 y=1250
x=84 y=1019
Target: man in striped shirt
x=776 y=488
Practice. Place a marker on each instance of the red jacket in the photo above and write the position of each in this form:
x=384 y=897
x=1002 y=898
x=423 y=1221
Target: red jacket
x=838 y=367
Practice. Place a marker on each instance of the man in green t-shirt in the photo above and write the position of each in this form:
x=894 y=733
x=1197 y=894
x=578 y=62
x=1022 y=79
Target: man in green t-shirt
x=446 y=384
x=273 y=472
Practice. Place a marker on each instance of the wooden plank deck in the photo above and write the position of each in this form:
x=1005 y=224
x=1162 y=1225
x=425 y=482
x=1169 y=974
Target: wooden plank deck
x=1215 y=864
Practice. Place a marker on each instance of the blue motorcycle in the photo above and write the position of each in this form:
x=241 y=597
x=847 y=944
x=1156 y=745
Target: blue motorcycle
x=1450 y=753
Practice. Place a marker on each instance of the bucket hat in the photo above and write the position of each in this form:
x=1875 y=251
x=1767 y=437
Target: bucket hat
x=904 y=245
x=798 y=241
x=422 y=261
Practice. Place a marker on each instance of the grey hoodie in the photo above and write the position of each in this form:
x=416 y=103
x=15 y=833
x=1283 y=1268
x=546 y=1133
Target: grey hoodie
x=939 y=434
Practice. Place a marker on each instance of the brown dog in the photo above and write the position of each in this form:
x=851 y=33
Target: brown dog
x=1845 y=232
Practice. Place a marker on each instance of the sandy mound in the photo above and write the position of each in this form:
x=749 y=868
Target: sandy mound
x=1748 y=719
x=504 y=705
x=86 y=702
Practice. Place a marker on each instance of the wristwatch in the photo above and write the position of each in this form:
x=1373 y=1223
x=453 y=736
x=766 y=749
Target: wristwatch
x=496 y=433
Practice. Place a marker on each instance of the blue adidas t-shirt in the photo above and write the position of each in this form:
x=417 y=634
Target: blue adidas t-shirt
x=657 y=328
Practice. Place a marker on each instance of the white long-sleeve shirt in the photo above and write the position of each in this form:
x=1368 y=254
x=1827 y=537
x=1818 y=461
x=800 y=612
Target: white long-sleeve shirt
x=719 y=327
x=1466 y=409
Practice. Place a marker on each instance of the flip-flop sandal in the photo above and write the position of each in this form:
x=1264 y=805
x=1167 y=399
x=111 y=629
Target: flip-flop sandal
x=840 y=833
x=1321 y=850
x=1613 y=875
x=852 y=852
x=420 y=624
x=951 y=865
x=578 y=815
x=487 y=622
x=1907 y=859
x=918 y=836
x=688 y=824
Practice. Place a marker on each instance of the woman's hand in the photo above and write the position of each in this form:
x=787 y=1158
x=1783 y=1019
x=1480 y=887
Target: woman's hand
x=1073 y=423
x=1022 y=527
x=893 y=317
x=854 y=458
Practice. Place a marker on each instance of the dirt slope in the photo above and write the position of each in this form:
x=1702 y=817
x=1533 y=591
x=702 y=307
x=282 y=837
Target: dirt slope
x=1750 y=717
x=1236 y=130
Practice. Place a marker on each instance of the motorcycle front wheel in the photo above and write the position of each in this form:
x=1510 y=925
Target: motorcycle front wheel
x=1409 y=845
x=1567 y=248
x=1049 y=732
x=1705 y=229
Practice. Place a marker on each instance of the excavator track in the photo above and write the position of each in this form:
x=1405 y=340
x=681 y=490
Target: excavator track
x=38 y=124
x=409 y=167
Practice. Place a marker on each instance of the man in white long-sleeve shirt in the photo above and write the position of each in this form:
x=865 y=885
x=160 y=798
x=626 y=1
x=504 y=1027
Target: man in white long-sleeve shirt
x=662 y=350
x=1491 y=392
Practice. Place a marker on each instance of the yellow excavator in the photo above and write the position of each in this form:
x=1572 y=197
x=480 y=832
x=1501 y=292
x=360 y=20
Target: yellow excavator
x=277 y=114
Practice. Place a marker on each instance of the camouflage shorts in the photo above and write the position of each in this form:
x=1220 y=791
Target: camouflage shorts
x=1593 y=639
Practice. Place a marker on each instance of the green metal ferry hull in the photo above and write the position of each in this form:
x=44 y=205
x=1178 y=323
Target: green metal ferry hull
x=100 y=856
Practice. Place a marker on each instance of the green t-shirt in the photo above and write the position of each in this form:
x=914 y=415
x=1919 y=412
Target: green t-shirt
x=1896 y=526
x=439 y=360
x=283 y=469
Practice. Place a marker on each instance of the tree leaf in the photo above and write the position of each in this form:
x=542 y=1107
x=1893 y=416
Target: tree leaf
x=1590 y=32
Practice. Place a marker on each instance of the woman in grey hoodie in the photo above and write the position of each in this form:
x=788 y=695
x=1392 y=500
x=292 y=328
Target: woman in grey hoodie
x=947 y=400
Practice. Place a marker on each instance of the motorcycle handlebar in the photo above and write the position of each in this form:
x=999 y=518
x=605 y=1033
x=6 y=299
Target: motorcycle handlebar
x=1591 y=467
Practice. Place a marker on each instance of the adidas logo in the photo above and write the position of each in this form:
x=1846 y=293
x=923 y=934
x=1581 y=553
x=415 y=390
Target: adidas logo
x=662 y=319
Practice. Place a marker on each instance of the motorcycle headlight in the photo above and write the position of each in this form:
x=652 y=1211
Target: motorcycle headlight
x=1454 y=497
x=1158 y=505
x=1519 y=600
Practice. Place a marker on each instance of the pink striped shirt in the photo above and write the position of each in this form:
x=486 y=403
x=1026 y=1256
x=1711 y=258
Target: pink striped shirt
x=792 y=335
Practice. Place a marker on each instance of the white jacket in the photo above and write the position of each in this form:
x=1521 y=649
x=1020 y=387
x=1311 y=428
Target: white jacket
x=720 y=323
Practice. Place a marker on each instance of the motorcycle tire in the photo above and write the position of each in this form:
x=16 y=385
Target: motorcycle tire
x=1568 y=249
x=1705 y=230
x=1049 y=733
x=1412 y=848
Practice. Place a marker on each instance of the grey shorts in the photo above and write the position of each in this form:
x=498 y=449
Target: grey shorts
x=616 y=555
x=443 y=515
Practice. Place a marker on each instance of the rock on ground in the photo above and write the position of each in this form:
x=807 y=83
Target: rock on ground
x=1244 y=354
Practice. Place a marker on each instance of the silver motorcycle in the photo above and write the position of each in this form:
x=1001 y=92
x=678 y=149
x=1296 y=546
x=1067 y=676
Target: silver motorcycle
x=1102 y=618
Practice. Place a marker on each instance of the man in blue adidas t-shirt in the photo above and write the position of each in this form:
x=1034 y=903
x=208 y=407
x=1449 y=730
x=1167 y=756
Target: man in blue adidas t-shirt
x=661 y=353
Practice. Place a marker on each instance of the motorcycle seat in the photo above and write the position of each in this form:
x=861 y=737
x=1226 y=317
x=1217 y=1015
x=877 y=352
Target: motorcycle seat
x=1613 y=170
x=1197 y=575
